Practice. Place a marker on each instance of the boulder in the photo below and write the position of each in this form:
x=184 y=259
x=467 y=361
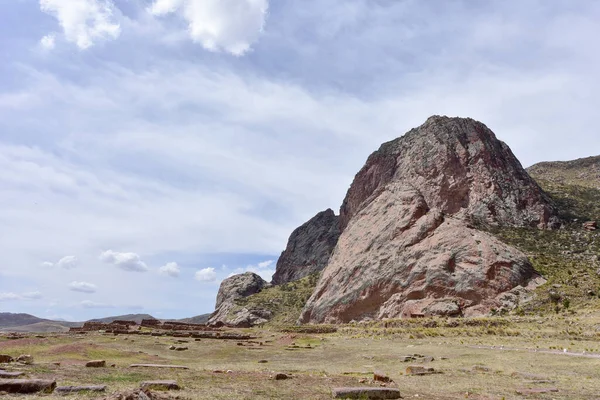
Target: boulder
x=159 y=385
x=410 y=244
x=371 y=393
x=96 y=364
x=227 y=312
x=27 y=386
x=309 y=248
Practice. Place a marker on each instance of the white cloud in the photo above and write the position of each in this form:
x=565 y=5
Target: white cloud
x=48 y=42
x=219 y=25
x=83 y=287
x=68 y=262
x=31 y=295
x=7 y=296
x=206 y=275
x=125 y=261
x=263 y=269
x=92 y=304
x=83 y=21
x=265 y=264
x=171 y=269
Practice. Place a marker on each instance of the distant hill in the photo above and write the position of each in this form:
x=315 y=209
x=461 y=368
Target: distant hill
x=581 y=172
x=573 y=185
x=10 y=322
x=128 y=317
x=198 y=319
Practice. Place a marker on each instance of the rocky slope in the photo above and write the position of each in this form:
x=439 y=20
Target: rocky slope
x=309 y=248
x=409 y=244
x=227 y=311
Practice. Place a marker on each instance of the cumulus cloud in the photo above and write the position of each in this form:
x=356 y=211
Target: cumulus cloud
x=48 y=42
x=219 y=25
x=7 y=296
x=83 y=21
x=83 y=287
x=125 y=261
x=67 y=262
x=206 y=275
x=171 y=269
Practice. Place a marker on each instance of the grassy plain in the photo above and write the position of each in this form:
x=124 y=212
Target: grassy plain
x=483 y=358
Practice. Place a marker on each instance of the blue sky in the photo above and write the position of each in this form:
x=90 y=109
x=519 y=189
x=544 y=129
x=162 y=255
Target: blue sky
x=151 y=148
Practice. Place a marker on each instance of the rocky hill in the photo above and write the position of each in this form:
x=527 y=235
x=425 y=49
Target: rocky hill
x=309 y=248
x=410 y=245
x=444 y=221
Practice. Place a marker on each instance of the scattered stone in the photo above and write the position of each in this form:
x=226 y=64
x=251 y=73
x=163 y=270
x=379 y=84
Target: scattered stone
x=281 y=376
x=418 y=370
x=10 y=375
x=590 y=225
x=27 y=386
x=480 y=368
x=527 y=392
x=96 y=364
x=79 y=389
x=407 y=358
x=426 y=359
x=371 y=393
x=183 y=341
x=180 y=348
x=160 y=385
x=218 y=371
x=5 y=358
x=263 y=361
x=158 y=366
x=381 y=377
x=171 y=347
x=25 y=359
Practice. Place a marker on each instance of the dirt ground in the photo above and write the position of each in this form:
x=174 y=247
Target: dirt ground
x=490 y=359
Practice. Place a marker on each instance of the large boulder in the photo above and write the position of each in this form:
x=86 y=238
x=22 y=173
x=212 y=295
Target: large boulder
x=227 y=312
x=410 y=245
x=309 y=248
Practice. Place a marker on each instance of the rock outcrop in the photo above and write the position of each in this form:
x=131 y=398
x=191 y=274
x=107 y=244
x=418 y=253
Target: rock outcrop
x=309 y=248
x=227 y=312
x=461 y=169
x=409 y=244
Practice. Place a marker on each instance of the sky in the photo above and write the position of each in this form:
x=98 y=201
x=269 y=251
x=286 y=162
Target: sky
x=151 y=148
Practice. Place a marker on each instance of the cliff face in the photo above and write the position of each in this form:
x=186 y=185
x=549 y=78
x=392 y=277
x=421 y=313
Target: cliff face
x=308 y=249
x=408 y=245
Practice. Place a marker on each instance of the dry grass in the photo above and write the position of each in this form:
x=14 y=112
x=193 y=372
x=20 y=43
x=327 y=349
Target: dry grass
x=318 y=362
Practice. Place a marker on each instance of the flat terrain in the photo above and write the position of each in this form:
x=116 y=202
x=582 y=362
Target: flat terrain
x=487 y=358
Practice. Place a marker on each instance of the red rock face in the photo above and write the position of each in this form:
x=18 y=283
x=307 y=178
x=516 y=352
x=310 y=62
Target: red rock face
x=408 y=245
x=460 y=168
